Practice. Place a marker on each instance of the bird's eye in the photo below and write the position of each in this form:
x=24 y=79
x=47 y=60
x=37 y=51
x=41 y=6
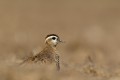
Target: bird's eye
x=53 y=38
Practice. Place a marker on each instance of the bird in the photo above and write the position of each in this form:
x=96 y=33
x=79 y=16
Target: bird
x=49 y=54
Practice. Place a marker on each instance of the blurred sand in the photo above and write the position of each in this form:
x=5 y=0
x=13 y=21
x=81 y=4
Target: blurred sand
x=90 y=28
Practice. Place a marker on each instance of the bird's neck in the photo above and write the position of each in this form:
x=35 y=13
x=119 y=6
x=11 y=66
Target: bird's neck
x=50 y=47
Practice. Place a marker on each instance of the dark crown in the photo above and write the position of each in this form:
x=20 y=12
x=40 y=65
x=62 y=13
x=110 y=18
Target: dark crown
x=52 y=35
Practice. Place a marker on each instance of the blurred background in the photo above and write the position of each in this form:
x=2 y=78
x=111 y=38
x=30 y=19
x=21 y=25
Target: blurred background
x=90 y=28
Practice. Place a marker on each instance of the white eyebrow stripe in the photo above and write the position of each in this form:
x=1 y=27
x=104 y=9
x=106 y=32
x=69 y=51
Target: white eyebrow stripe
x=50 y=37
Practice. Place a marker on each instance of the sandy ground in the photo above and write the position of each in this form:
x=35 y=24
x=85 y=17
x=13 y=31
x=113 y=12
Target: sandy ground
x=89 y=28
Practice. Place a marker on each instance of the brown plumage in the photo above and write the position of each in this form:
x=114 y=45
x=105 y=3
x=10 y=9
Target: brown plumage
x=49 y=54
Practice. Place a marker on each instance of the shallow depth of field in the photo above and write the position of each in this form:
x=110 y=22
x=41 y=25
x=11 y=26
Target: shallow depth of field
x=90 y=29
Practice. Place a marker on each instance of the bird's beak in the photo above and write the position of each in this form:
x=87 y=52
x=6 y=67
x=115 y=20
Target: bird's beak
x=61 y=41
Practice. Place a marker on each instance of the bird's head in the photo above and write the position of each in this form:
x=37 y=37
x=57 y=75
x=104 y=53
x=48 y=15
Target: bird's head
x=52 y=40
